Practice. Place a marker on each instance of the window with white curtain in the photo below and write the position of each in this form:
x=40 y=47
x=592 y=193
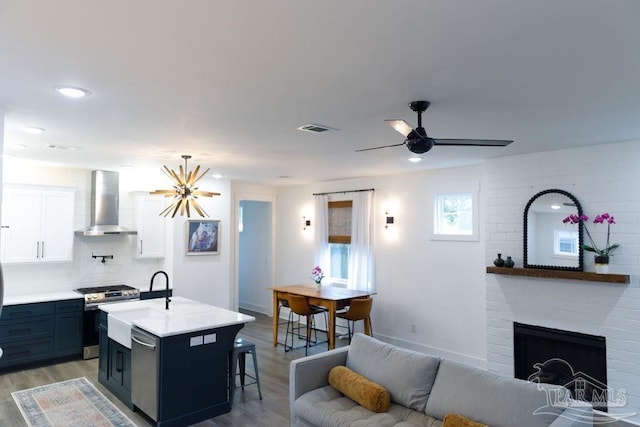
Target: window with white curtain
x=345 y=243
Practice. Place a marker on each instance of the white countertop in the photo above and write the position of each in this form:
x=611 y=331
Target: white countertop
x=184 y=315
x=43 y=297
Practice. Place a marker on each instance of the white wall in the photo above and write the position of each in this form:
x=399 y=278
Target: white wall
x=436 y=285
x=603 y=178
x=205 y=278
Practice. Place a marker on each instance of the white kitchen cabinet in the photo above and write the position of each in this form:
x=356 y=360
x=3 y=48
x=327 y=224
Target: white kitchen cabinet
x=37 y=225
x=150 y=241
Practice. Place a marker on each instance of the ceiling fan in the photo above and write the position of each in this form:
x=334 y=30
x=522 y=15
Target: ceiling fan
x=417 y=140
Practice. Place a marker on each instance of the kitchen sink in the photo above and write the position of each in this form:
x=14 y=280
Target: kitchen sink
x=120 y=322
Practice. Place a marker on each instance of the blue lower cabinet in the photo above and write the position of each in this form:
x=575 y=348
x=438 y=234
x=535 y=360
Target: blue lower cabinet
x=68 y=334
x=41 y=332
x=26 y=351
x=199 y=390
x=114 y=364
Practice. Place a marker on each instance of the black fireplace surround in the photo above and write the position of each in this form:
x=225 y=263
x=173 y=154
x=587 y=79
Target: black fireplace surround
x=571 y=359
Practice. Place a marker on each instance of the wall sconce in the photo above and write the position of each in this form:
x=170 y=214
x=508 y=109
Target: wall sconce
x=306 y=222
x=389 y=220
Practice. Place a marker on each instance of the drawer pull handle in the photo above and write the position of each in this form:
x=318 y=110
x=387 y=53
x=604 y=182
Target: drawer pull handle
x=17 y=354
x=20 y=313
x=20 y=331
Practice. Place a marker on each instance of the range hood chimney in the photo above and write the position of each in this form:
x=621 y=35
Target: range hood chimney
x=105 y=189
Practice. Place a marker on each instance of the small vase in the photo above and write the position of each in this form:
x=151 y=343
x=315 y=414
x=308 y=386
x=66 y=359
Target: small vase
x=499 y=262
x=602 y=264
x=509 y=262
x=318 y=285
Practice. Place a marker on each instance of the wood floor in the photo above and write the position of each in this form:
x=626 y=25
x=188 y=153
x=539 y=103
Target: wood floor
x=247 y=410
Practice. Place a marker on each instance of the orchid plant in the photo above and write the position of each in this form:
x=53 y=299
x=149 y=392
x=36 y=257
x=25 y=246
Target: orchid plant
x=316 y=274
x=599 y=219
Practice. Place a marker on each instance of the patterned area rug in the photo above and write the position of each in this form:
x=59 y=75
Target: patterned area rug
x=72 y=403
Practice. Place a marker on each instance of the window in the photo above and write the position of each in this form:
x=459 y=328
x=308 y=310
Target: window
x=339 y=256
x=340 y=239
x=565 y=243
x=455 y=213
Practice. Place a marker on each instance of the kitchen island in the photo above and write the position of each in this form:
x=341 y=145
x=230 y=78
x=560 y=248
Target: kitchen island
x=172 y=365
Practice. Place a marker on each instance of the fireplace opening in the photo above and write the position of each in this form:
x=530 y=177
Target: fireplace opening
x=571 y=359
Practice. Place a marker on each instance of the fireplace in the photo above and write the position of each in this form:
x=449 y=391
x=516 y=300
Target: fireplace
x=574 y=360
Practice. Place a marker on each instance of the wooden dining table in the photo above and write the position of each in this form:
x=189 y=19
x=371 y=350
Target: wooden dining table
x=332 y=297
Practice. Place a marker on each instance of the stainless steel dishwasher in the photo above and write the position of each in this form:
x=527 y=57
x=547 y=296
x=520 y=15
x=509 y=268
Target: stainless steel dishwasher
x=145 y=359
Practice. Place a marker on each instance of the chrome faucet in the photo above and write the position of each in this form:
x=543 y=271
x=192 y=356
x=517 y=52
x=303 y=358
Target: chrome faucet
x=166 y=295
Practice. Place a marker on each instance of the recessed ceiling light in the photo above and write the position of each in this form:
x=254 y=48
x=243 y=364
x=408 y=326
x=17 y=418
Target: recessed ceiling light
x=61 y=147
x=33 y=130
x=72 y=91
x=555 y=207
x=415 y=159
x=216 y=176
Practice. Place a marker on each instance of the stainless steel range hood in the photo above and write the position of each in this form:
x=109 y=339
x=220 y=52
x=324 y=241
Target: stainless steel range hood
x=105 y=188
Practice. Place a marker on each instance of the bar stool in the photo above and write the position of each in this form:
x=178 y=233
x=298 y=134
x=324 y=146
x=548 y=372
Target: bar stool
x=240 y=349
x=300 y=306
x=359 y=309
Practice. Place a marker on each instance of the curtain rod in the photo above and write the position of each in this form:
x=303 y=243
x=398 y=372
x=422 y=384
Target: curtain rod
x=346 y=191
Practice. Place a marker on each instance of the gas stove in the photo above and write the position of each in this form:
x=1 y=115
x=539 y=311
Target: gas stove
x=106 y=294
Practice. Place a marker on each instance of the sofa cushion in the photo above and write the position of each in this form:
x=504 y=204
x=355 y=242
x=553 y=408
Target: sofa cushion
x=455 y=420
x=406 y=374
x=327 y=407
x=372 y=396
x=489 y=398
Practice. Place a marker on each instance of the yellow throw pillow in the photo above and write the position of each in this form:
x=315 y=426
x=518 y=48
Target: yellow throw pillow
x=366 y=393
x=455 y=420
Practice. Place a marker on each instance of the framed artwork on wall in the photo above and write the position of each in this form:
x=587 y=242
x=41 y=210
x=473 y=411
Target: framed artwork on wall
x=203 y=237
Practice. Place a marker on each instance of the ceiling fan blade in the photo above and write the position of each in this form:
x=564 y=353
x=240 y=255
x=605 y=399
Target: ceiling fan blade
x=377 y=148
x=473 y=142
x=401 y=126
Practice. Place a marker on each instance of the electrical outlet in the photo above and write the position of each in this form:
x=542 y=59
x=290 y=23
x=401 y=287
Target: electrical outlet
x=413 y=327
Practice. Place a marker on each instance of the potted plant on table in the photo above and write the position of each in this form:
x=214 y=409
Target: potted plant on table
x=601 y=254
x=317 y=275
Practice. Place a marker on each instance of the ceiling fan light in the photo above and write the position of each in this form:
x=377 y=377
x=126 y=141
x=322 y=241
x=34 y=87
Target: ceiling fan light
x=415 y=159
x=400 y=126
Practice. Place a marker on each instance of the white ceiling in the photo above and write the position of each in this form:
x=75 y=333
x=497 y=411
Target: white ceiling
x=229 y=81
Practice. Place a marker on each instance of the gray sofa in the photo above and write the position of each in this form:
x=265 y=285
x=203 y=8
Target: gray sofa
x=423 y=390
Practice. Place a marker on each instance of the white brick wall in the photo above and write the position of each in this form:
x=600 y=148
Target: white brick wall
x=604 y=178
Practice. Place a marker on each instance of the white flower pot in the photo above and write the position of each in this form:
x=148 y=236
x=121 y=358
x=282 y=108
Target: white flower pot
x=602 y=268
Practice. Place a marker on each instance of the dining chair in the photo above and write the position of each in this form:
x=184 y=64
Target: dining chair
x=299 y=305
x=359 y=309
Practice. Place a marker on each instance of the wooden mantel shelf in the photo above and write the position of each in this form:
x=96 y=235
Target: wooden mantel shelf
x=560 y=274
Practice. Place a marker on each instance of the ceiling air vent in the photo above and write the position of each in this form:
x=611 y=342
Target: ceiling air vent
x=314 y=128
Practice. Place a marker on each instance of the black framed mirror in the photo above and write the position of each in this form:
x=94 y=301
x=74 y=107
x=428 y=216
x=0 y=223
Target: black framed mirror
x=548 y=242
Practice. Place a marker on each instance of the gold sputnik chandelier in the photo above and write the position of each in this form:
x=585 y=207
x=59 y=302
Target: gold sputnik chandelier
x=184 y=191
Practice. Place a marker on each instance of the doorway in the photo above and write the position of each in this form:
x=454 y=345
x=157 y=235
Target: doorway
x=255 y=255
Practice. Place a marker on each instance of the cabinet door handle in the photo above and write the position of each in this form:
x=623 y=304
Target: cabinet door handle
x=118 y=361
x=42 y=250
x=4 y=226
x=37 y=249
x=140 y=246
